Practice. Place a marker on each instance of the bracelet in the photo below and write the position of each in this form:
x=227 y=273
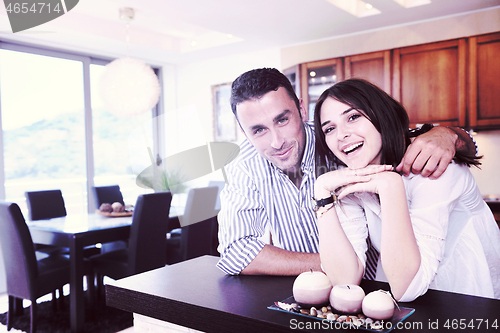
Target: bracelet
x=421 y=130
x=472 y=138
x=320 y=214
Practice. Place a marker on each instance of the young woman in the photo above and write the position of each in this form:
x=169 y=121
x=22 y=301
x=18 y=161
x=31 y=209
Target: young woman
x=437 y=234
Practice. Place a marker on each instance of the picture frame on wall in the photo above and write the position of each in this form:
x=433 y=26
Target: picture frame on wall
x=225 y=127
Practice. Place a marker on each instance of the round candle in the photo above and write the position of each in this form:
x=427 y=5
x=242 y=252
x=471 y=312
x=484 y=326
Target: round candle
x=347 y=298
x=312 y=288
x=378 y=305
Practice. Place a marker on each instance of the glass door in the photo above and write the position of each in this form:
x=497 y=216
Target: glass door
x=316 y=77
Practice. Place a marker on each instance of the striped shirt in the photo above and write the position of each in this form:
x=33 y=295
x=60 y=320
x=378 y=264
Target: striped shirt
x=260 y=196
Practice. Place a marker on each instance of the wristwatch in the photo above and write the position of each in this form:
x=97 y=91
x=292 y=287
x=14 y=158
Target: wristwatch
x=317 y=204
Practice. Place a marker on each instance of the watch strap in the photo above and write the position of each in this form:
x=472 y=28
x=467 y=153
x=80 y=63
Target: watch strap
x=324 y=202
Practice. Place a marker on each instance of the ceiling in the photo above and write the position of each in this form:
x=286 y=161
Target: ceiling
x=176 y=31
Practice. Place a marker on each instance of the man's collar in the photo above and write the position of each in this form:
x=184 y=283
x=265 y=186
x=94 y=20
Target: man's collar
x=307 y=164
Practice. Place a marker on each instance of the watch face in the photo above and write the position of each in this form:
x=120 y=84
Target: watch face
x=314 y=204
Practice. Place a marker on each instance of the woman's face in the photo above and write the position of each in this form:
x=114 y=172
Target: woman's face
x=350 y=135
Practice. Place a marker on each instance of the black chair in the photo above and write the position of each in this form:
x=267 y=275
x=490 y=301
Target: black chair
x=44 y=205
x=27 y=277
x=195 y=240
x=197 y=235
x=146 y=242
x=109 y=194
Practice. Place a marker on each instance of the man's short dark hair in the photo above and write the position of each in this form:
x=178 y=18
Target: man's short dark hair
x=256 y=83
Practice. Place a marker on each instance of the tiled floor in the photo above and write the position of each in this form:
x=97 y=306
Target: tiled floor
x=4 y=305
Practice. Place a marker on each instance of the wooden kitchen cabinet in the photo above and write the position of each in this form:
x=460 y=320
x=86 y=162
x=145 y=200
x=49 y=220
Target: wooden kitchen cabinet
x=374 y=67
x=430 y=81
x=451 y=83
x=317 y=76
x=484 y=81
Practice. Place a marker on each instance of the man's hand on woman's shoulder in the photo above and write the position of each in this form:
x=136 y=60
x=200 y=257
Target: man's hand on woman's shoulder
x=430 y=153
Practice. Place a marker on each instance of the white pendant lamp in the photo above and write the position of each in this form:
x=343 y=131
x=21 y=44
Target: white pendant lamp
x=129 y=87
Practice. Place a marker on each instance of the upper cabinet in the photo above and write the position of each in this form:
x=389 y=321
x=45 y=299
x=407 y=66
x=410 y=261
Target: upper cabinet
x=430 y=81
x=374 y=67
x=451 y=83
x=318 y=76
x=484 y=81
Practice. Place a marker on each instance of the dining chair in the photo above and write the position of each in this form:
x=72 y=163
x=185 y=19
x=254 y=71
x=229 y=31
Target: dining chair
x=220 y=184
x=44 y=205
x=107 y=194
x=146 y=245
x=196 y=235
x=49 y=204
x=200 y=205
x=27 y=277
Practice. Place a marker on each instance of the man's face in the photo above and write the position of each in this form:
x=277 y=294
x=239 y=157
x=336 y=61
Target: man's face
x=274 y=126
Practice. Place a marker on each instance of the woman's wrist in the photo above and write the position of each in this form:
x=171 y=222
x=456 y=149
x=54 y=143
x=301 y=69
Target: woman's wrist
x=320 y=189
x=321 y=194
x=391 y=182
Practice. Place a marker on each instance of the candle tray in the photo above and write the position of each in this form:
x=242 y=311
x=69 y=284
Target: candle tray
x=387 y=325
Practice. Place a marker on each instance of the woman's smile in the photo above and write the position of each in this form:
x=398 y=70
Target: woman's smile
x=347 y=149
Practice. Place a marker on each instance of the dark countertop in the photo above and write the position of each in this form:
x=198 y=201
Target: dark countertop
x=198 y=295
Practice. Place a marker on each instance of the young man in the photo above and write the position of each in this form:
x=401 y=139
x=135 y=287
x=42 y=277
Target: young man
x=271 y=182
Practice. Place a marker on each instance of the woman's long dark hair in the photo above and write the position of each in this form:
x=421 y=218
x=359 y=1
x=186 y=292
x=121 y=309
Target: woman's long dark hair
x=384 y=112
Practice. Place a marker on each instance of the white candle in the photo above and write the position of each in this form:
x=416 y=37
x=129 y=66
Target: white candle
x=378 y=305
x=347 y=298
x=312 y=288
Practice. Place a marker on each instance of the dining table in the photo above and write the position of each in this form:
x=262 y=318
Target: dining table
x=76 y=232
x=195 y=294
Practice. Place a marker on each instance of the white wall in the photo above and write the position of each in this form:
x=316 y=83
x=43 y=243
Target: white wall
x=194 y=80
x=488 y=177
x=189 y=120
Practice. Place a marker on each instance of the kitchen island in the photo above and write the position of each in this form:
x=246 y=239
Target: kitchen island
x=197 y=295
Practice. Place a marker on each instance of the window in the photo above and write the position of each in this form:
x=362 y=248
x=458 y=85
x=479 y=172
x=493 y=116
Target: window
x=121 y=144
x=53 y=139
x=43 y=126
